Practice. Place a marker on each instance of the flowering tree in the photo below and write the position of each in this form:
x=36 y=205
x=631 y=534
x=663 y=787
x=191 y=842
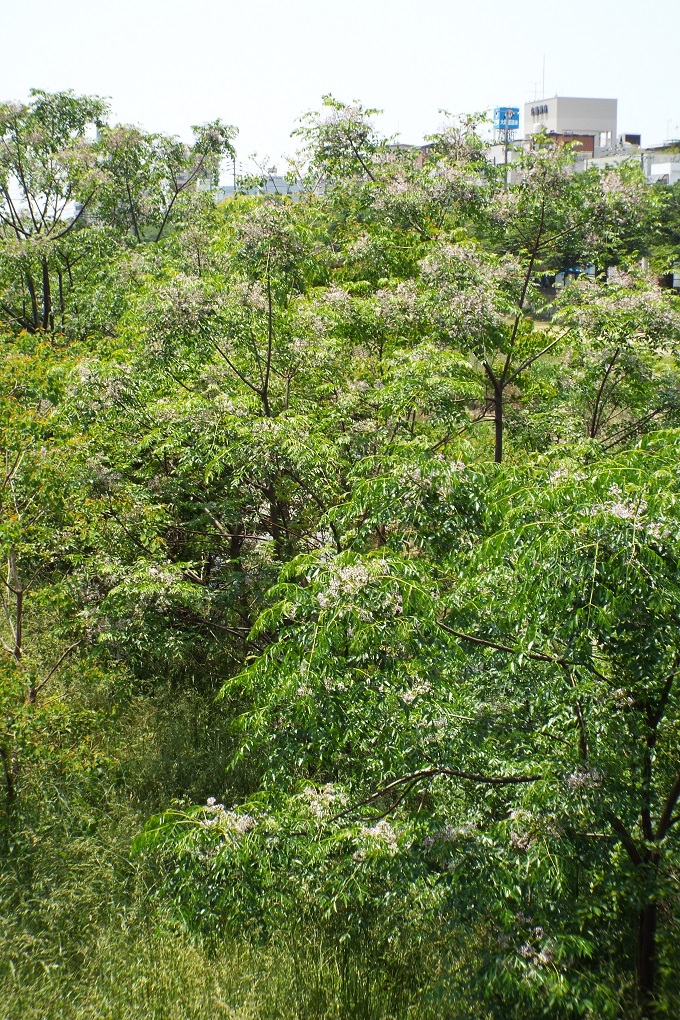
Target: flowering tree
x=624 y=357
x=48 y=179
x=267 y=583
x=147 y=174
x=524 y=689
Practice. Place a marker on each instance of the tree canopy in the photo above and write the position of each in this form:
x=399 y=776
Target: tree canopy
x=340 y=598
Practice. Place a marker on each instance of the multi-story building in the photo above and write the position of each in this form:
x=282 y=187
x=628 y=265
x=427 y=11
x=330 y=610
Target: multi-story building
x=660 y=165
x=590 y=123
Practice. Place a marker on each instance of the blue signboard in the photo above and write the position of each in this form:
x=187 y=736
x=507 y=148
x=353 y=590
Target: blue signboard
x=506 y=117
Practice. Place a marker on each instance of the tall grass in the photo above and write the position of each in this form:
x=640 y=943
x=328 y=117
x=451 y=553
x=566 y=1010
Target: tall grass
x=83 y=932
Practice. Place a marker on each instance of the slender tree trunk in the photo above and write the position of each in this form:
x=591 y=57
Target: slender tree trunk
x=594 y=426
x=8 y=768
x=647 y=959
x=498 y=421
x=278 y=525
x=18 y=639
x=61 y=296
x=18 y=592
x=133 y=214
x=47 y=295
x=34 y=300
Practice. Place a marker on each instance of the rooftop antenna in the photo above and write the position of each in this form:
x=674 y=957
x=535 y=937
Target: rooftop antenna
x=543 y=95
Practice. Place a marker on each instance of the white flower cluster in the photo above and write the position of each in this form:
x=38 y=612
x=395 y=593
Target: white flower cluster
x=608 y=313
x=521 y=840
x=628 y=190
x=216 y=816
x=557 y=476
x=626 y=509
x=353 y=578
x=398 y=304
x=268 y=232
x=335 y=295
x=250 y=294
x=583 y=779
x=325 y=801
x=451 y=834
x=348 y=580
x=457 y=261
x=418 y=689
x=622 y=699
x=184 y=305
x=381 y=835
x=543 y=955
x=449 y=182
x=159 y=575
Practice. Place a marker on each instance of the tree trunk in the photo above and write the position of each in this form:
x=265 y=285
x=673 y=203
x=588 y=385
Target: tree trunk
x=498 y=421
x=47 y=295
x=34 y=301
x=278 y=525
x=17 y=590
x=10 y=788
x=647 y=959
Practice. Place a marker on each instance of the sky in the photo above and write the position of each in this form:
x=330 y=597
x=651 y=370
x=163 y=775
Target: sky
x=167 y=64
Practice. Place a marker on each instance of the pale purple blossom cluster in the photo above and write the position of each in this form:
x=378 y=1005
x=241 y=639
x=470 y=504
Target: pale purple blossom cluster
x=622 y=699
x=556 y=476
x=623 y=309
x=397 y=305
x=250 y=294
x=458 y=262
x=362 y=246
x=543 y=955
x=471 y=313
x=626 y=189
x=348 y=580
x=467 y=305
x=634 y=510
x=268 y=233
x=180 y=306
x=521 y=840
x=159 y=575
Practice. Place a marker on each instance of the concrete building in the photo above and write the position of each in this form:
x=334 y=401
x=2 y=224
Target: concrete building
x=658 y=166
x=589 y=122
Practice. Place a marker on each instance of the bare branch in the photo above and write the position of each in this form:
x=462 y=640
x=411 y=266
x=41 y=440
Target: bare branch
x=34 y=691
x=535 y=357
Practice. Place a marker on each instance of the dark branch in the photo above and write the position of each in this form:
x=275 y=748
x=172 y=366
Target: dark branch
x=626 y=838
x=666 y=819
x=537 y=656
x=416 y=777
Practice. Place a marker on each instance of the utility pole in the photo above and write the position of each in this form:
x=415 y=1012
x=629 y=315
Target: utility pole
x=505 y=120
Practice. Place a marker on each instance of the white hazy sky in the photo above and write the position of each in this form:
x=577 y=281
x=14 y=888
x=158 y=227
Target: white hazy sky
x=166 y=64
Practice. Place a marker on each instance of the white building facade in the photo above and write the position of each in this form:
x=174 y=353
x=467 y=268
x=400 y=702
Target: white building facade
x=578 y=118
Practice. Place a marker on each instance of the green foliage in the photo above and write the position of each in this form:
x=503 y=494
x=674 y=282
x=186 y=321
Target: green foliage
x=340 y=632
